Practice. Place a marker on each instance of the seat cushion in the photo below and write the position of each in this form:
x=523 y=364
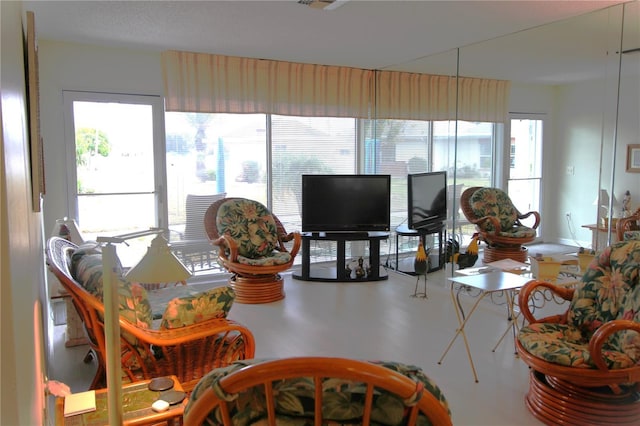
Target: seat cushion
x=519 y=231
x=565 y=345
x=343 y=399
x=494 y=202
x=276 y=258
x=250 y=225
x=183 y=311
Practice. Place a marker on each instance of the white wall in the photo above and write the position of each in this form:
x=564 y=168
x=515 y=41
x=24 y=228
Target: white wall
x=21 y=251
x=583 y=111
x=65 y=66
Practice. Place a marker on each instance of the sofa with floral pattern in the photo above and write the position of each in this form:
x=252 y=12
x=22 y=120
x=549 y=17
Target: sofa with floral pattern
x=192 y=335
x=343 y=399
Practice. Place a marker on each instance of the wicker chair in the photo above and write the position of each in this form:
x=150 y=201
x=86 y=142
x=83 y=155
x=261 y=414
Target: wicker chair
x=628 y=228
x=251 y=245
x=317 y=390
x=187 y=351
x=498 y=223
x=193 y=247
x=585 y=363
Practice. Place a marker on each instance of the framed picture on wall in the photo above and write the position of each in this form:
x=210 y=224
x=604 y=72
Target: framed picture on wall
x=633 y=158
x=33 y=95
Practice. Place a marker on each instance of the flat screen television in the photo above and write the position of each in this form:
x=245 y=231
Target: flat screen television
x=427 y=199
x=346 y=203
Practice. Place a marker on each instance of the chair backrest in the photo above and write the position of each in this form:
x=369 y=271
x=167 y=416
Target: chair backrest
x=609 y=290
x=195 y=208
x=326 y=389
x=250 y=224
x=453 y=197
x=494 y=202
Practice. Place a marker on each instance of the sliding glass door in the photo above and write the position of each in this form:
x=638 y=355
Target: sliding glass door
x=116 y=146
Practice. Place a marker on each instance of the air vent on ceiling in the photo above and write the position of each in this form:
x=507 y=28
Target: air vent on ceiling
x=323 y=4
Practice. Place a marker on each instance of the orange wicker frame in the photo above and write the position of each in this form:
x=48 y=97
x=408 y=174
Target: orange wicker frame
x=263 y=374
x=188 y=352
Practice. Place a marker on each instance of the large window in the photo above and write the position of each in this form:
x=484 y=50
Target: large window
x=121 y=177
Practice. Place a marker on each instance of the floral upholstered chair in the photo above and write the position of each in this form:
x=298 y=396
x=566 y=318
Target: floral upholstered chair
x=252 y=245
x=317 y=390
x=586 y=362
x=499 y=223
x=628 y=228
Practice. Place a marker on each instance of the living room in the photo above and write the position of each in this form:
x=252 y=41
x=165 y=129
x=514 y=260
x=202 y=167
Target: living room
x=577 y=159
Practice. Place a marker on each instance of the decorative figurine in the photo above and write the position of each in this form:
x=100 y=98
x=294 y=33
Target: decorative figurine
x=626 y=204
x=421 y=267
x=360 y=271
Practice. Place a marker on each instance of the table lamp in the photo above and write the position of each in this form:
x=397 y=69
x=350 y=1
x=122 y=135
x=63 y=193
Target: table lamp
x=158 y=264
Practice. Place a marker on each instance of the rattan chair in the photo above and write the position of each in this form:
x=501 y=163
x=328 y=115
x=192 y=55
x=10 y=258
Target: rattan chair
x=252 y=245
x=585 y=363
x=187 y=352
x=499 y=223
x=628 y=228
x=317 y=390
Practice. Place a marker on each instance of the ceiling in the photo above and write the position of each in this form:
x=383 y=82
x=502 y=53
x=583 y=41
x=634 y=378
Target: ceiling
x=413 y=36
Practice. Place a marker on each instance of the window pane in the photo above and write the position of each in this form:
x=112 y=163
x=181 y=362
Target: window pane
x=397 y=147
x=114 y=147
x=214 y=153
x=526 y=149
x=475 y=154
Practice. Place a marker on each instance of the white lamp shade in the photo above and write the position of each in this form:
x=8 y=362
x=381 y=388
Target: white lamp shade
x=158 y=265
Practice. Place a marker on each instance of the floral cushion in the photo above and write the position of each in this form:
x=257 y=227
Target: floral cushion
x=494 y=202
x=132 y=298
x=609 y=289
x=134 y=305
x=342 y=399
x=631 y=236
x=214 y=303
x=250 y=225
x=276 y=258
x=565 y=345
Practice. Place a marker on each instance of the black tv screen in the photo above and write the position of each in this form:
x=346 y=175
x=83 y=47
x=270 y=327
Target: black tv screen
x=427 y=199
x=346 y=203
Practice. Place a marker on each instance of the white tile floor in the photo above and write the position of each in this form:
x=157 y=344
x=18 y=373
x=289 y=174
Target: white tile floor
x=378 y=320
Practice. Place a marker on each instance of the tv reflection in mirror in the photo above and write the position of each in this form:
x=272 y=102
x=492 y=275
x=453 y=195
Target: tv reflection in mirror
x=346 y=203
x=427 y=200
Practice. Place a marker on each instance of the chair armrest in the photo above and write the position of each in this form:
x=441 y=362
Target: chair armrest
x=176 y=336
x=297 y=240
x=483 y=221
x=535 y=215
x=226 y=243
x=527 y=291
x=602 y=334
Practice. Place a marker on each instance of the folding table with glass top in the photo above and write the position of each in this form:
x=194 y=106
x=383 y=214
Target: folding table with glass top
x=488 y=282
